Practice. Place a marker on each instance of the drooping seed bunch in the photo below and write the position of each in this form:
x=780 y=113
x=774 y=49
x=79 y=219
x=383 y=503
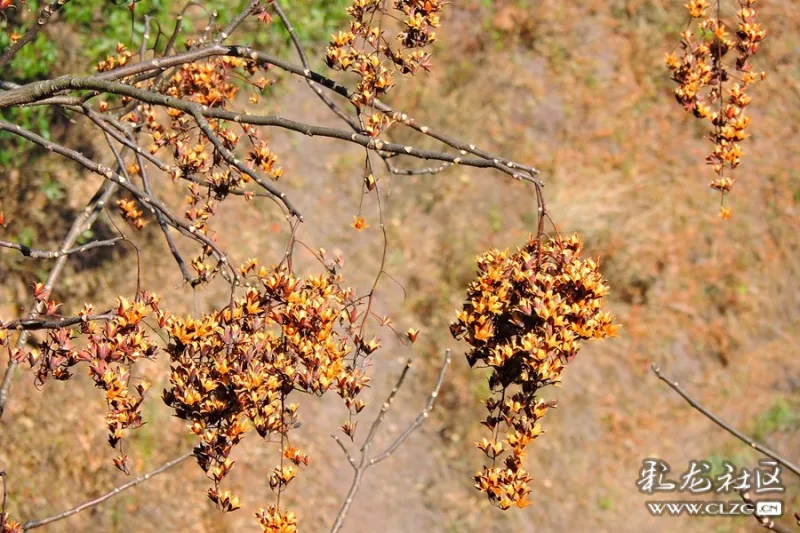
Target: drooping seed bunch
x=713 y=90
x=524 y=317
x=9 y=526
x=234 y=371
x=213 y=171
x=129 y=211
x=110 y=352
x=366 y=51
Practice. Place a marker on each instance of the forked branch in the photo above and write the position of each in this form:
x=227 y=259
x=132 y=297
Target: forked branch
x=366 y=460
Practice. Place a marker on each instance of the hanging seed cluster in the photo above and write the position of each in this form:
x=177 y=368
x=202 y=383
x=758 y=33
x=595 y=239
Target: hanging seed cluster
x=234 y=371
x=524 y=318
x=367 y=51
x=714 y=87
x=110 y=351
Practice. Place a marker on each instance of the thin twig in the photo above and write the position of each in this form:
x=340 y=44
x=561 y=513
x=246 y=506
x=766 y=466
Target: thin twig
x=30 y=324
x=365 y=461
x=386 y=406
x=421 y=417
x=341 y=113
x=151 y=203
x=724 y=425
x=238 y=19
x=55 y=254
x=33 y=524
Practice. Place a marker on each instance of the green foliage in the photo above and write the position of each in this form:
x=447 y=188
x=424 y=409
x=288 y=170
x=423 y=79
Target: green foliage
x=52 y=189
x=314 y=21
x=12 y=148
x=779 y=417
x=27 y=235
x=34 y=61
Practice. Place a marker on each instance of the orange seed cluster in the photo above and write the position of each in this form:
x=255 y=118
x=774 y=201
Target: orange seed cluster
x=9 y=526
x=234 y=370
x=120 y=59
x=709 y=89
x=110 y=352
x=524 y=317
x=130 y=213
x=366 y=50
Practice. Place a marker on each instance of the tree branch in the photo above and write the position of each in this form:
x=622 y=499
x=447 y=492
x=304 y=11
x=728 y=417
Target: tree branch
x=29 y=324
x=33 y=524
x=33 y=31
x=42 y=89
x=789 y=465
x=365 y=461
x=44 y=254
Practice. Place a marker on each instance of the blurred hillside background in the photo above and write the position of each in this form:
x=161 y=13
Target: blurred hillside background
x=577 y=89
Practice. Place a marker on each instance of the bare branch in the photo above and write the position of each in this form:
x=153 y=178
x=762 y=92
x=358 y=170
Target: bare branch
x=38 y=90
x=512 y=169
x=724 y=425
x=44 y=254
x=33 y=524
x=29 y=324
x=416 y=172
x=365 y=461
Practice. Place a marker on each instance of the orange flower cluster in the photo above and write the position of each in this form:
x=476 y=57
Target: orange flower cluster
x=115 y=61
x=265 y=159
x=708 y=89
x=111 y=350
x=363 y=49
x=524 y=317
x=208 y=83
x=233 y=370
x=9 y=526
x=129 y=212
x=272 y=520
